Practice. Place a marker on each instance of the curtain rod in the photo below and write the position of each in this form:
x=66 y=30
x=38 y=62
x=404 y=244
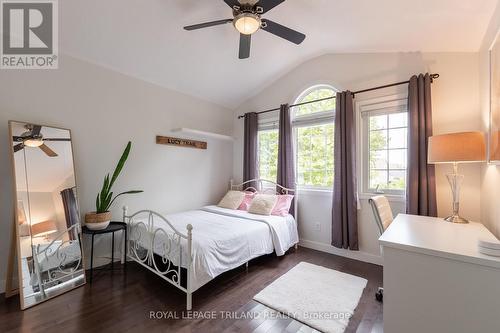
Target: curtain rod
x=432 y=76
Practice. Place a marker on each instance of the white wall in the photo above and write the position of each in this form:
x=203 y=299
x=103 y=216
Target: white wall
x=104 y=110
x=455 y=104
x=490 y=185
x=41 y=207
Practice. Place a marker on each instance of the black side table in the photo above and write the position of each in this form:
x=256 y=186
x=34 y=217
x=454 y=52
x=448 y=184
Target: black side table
x=111 y=228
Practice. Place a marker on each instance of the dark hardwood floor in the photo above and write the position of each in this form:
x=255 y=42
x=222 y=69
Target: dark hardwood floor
x=122 y=301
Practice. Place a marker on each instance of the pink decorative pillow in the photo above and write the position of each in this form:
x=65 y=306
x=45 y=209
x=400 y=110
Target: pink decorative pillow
x=283 y=204
x=247 y=200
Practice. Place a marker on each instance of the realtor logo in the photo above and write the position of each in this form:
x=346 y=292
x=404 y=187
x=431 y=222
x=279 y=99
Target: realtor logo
x=29 y=34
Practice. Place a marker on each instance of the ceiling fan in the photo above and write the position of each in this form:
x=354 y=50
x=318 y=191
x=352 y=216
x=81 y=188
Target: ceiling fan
x=247 y=20
x=34 y=138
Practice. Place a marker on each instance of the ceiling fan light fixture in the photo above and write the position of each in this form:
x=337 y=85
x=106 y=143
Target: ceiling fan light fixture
x=247 y=23
x=33 y=142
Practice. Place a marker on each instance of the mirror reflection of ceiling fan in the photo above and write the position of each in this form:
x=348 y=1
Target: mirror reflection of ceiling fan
x=247 y=19
x=33 y=138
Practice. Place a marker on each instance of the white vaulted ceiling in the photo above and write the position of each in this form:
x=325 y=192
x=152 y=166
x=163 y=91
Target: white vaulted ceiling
x=145 y=39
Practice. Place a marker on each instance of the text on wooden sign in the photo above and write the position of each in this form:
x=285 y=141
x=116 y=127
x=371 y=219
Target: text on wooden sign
x=167 y=140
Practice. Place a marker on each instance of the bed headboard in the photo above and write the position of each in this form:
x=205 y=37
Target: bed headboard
x=266 y=186
x=261 y=186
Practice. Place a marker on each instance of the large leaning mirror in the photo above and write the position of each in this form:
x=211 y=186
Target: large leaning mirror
x=48 y=230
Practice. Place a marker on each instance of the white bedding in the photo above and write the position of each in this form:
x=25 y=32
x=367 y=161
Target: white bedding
x=223 y=239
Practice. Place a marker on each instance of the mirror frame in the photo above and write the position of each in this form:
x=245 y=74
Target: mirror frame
x=17 y=249
x=496 y=41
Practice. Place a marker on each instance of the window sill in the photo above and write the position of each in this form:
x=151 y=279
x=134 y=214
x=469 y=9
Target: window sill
x=312 y=190
x=390 y=197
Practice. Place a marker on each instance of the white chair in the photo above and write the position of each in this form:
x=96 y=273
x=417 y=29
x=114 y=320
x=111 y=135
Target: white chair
x=383 y=218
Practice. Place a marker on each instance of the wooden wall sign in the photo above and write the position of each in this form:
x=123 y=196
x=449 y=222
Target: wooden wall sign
x=167 y=140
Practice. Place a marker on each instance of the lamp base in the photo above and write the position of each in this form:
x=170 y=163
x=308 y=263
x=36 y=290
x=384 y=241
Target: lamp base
x=456 y=219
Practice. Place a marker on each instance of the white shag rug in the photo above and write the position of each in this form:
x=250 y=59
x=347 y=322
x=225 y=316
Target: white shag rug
x=319 y=297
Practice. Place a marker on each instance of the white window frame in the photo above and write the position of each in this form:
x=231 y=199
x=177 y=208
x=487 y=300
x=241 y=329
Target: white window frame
x=314 y=119
x=380 y=105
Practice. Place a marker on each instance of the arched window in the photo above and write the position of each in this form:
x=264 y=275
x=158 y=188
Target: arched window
x=312 y=94
x=314 y=133
x=313 y=125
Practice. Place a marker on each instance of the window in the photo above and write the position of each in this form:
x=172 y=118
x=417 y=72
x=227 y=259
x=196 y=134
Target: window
x=312 y=94
x=268 y=153
x=384 y=137
x=313 y=126
x=314 y=132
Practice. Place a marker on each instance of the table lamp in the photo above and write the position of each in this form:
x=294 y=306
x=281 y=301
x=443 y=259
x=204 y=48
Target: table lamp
x=43 y=228
x=21 y=214
x=455 y=148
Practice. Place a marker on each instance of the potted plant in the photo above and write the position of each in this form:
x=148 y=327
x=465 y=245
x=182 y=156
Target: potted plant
x=102 y=216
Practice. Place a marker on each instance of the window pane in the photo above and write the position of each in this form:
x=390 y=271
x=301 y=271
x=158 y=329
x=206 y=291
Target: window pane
x=378 y=122
x=327 y=105
x=378 y=140
x=397 y=159
x=315 y=155
x=304 y=144
x=378 y=159
x=386 y=156
x=378 y=178
x=398 y=119
x=268 y=154
x=397 y=138
x=397 y=180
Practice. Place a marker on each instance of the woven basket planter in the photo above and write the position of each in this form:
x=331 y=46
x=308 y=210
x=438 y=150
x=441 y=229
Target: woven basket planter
x=97 y=221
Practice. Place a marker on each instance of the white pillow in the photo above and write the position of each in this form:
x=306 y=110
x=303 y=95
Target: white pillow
x=232 y=200
x=263 y=204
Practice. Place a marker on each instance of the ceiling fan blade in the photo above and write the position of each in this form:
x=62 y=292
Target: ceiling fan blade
x=267 y=5
x=245 y=41
x=283 y=32
x=47 y=150
x=18 y=147
x=232 y=3
x=207 y=24
x=56 y=139
x=17 y=138
x=36 y=130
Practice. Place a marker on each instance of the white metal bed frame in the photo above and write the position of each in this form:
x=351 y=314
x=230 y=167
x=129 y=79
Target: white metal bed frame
x=172 y=247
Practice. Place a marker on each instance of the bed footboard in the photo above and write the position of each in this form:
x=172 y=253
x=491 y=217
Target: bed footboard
x=154 y=243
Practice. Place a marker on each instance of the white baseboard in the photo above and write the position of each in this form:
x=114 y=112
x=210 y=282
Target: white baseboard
x=98 y=262
x=2 y=284
x=357 y=255
x=101 y=261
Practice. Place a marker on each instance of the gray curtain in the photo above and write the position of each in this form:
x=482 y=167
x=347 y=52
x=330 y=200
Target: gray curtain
x=250 y=148
x=70 y=209
x=345 y=201
x=286 y=165
x=421 y=183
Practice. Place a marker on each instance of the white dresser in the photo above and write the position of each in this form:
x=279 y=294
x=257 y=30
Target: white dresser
x=435 y=279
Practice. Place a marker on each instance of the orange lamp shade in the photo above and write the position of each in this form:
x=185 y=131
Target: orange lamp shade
x=43 y=228
x=463 y=147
